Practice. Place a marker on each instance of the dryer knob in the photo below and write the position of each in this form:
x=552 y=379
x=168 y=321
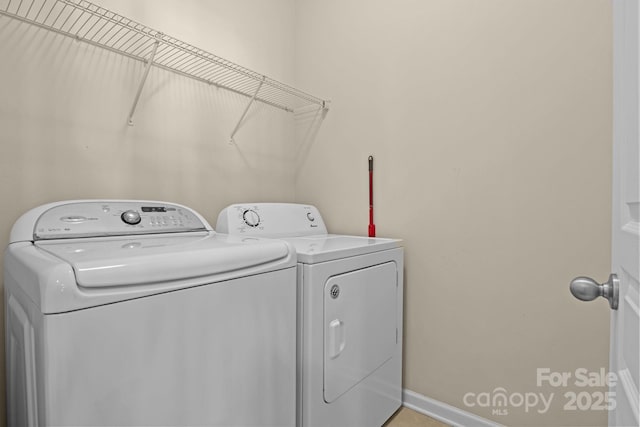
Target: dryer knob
x=251 y=218
x=131 y=217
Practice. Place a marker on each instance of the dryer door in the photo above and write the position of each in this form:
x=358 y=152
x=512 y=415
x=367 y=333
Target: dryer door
x=360 y=331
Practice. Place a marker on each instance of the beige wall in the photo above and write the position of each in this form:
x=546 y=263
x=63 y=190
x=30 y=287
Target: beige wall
x=477 y=114
x=490 y=123
x=64 y=106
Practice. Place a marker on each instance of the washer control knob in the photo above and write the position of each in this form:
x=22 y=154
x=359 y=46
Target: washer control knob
x=131 y=217
x=251 y=218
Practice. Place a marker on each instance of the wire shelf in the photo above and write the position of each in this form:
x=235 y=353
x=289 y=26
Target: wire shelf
x=95 y=25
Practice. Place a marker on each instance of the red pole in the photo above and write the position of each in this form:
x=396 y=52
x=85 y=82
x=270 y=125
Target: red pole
x=372 y=226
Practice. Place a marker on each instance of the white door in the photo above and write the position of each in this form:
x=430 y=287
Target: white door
x=623 y=288
x=625 y=321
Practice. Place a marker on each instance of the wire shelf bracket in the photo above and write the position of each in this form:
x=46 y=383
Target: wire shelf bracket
x=90 y=23
x=142 y=82
x=246 y=110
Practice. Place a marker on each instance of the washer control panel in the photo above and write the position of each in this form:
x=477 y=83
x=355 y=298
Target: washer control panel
x=97 y=218
x=271 y=220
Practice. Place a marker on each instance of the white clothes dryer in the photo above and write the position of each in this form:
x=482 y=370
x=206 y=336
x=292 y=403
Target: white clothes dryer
x=138 y=313
x=350 y=308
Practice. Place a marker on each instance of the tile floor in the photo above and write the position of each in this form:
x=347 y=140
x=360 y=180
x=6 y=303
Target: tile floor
x=406 y=417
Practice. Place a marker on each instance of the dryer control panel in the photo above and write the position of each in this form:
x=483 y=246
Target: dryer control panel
x=114 y=218
x=271 y=220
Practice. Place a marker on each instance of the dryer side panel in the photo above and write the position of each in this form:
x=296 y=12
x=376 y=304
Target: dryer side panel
x=360 y=326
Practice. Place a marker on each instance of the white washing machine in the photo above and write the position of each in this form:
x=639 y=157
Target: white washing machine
x=138 y=313
x=350 y=296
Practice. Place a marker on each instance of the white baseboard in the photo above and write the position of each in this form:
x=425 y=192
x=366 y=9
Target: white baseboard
x=442 y=412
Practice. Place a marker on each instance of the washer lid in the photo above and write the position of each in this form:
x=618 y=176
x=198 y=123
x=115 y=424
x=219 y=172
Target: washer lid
x=322 y=248
x=158 y=259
